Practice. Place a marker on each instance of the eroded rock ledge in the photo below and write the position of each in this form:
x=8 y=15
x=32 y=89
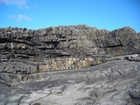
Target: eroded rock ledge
x=25 y=52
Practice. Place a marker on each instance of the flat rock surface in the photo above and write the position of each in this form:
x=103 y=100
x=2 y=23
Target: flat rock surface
x=113 y=83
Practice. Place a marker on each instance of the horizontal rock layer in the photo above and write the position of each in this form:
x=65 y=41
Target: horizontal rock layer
x=24 y=51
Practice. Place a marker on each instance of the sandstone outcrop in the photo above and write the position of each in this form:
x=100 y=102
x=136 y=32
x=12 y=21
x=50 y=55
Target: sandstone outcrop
x=25 y=52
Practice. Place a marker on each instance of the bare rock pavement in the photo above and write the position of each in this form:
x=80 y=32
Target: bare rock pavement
x=113 y=83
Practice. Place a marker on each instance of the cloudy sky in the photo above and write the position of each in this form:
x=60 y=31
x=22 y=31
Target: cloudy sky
x=103 y=14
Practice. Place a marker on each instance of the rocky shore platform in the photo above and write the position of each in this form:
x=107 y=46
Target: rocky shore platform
x=116 y=82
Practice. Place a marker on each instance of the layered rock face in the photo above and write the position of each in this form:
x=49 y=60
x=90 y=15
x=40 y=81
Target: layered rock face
x=25 y=52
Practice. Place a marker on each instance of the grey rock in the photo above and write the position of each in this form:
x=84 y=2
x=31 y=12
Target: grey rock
x=86 y=86
x=26 y=52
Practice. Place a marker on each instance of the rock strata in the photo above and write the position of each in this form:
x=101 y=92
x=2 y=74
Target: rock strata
x=25 y=52
x=90 y=66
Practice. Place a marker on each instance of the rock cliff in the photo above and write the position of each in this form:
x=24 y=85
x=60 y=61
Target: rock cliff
x=30 y=54
x=25 y=53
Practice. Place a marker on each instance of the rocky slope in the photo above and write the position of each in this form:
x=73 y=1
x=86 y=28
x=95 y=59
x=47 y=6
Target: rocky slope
x=25 y=53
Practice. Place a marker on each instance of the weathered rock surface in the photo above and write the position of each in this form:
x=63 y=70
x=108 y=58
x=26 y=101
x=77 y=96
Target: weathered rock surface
x=27 y=56
x=113 y=83
x=25 y=52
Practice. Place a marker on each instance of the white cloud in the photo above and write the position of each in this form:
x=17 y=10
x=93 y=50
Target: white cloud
x=20 y=17
x=19 y=3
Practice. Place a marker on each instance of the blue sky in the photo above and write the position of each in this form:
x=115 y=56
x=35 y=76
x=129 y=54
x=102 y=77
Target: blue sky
x=103 y=14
